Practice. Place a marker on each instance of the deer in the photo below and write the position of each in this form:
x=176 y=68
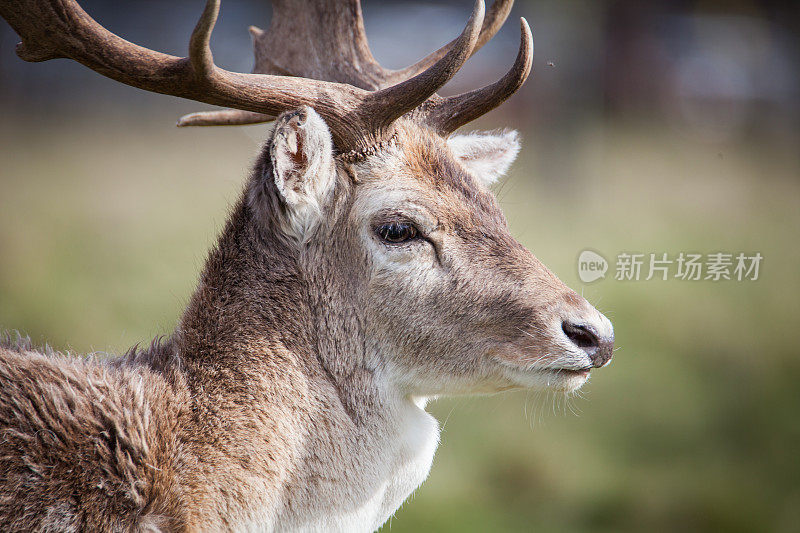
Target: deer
x=365 y=269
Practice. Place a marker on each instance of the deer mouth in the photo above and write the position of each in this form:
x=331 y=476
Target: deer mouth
x=579 y=372
x=567 y=379
x=574 y=376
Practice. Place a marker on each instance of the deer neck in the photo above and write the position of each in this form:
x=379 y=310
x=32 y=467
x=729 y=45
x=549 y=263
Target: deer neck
x=272 y=357
x=257 y=306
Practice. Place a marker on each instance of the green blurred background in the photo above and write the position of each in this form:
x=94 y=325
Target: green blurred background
x=665 y=127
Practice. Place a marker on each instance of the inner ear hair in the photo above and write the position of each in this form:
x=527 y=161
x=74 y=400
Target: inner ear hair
x=301 y=152
x=288 y=147
x=303 y=169
x=488 y=155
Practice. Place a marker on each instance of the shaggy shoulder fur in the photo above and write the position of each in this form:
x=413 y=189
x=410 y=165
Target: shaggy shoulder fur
x=84 y=437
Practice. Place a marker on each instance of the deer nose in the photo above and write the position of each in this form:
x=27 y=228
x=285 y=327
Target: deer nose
x=598 y=347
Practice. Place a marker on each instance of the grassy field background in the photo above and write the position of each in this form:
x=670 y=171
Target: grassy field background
x=694 y=427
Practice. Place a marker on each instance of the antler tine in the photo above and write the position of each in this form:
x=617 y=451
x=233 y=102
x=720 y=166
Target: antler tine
x=495 y=18
x=200 y=42
x=61 y=28
x=223 y=117
x=448 y=114
x=203 y=60
x=392 y=102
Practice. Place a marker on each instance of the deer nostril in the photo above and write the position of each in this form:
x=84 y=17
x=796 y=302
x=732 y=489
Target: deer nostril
x=581 y=335
x=599 y=349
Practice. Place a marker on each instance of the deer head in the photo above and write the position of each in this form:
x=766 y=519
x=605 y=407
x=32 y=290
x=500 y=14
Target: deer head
x=406 y=261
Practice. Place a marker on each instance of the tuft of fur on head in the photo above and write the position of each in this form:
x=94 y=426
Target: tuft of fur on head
x=487 y=155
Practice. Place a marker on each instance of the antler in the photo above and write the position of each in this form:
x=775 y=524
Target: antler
x=448 y=114
x=330 y=68
x=327 y=41
x=358 y=118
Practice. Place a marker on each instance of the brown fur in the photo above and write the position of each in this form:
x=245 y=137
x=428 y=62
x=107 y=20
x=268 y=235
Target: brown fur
x=272 y=392
x=84 y=445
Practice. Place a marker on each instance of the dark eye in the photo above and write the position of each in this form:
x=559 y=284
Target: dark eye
x=397 y=232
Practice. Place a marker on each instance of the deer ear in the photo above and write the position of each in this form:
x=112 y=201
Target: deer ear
x=487 y=155
x=303 y=166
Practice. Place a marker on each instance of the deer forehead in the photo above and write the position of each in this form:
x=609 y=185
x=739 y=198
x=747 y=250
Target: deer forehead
x=419 y=174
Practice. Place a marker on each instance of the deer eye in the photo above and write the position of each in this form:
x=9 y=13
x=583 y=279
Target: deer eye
x=397 y=232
